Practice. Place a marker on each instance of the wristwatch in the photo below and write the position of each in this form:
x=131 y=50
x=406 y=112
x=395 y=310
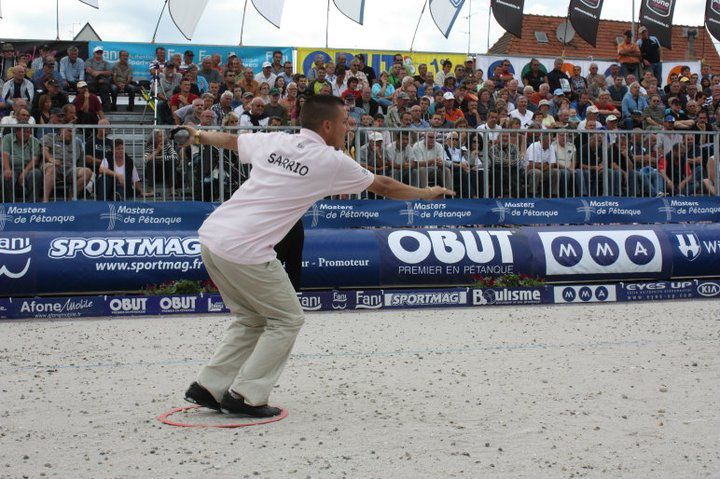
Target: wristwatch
x=197 y=137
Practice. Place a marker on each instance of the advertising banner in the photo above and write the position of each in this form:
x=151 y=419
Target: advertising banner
x=657 y=16
x=109 y=261
x=445 y=257
x=142 y=54
x=380 y=60
x=342 y=214
x=712 y=17
x=362 y=299
x=584 y=16
x=509 y=14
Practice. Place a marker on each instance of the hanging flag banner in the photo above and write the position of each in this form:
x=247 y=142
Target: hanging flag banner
x=656 y=16
x=353 y=9
x=585 y=18
x=92 y=3
x=186 y=14
x=270 y=9
x=509 y=14
x=712 y=18
x=380 y=60
x=444 y=13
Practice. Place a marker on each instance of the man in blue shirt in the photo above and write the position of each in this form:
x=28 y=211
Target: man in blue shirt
x=72 y=68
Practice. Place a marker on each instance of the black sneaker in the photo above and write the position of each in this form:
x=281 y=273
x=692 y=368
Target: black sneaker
x=197 y=394
x=233 y=405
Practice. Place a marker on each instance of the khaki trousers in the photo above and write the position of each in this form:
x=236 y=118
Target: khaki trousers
x=268 y=317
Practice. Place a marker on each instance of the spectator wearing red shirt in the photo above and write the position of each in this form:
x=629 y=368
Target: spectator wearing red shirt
x=183 y=97
x=88 y=106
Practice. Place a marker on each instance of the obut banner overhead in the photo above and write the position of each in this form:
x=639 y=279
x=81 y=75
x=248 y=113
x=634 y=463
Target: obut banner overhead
x=380 y=60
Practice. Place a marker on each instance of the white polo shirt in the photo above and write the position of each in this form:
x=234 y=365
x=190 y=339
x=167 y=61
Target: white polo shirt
x=289 y=173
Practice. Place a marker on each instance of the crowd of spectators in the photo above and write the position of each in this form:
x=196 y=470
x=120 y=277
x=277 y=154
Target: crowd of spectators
x=532 y=133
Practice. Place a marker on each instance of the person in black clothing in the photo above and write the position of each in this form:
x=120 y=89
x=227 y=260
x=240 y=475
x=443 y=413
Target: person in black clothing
x=289 y=252
x=535 y=76
x=558 y=78
x=118 y=179
x=366 y=69
x=651 y=54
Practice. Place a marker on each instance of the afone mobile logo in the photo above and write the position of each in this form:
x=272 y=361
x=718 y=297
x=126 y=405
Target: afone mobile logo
x=602 y=252
x=450 y=247
x=660 y=7
x=13 y=262
x=689 y=245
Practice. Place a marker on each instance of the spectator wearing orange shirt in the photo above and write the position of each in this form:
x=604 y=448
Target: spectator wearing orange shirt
x=452 y=112
x=629 y=56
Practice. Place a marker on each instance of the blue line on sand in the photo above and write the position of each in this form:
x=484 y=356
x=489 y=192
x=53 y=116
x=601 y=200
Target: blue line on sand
x=371 y=354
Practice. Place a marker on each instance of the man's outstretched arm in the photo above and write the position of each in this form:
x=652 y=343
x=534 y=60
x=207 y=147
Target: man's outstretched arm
x=386 y=186
x=213 y=138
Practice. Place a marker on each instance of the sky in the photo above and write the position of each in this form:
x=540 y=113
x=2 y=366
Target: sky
x=389 y=24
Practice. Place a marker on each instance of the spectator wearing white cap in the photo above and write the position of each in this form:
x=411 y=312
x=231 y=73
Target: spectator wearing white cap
x=591 y=117
x=373 y=156
x=99 y=76
x=452 y=111
x=266 y=75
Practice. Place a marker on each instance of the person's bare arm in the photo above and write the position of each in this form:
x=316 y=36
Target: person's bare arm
x=214 y=138
x=386 y=186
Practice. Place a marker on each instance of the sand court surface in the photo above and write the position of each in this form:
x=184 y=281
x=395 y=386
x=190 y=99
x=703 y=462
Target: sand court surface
x=606 y=390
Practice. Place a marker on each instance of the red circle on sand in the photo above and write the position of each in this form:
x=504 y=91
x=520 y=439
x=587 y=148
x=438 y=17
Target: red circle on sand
x=164 y=418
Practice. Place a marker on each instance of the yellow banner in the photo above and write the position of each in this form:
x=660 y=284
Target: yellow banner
x=379 y=60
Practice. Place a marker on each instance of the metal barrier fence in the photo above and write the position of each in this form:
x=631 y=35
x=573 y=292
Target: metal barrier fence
x=56 y=163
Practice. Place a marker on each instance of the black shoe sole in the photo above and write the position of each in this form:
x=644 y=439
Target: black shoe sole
x=200 y=396
x=231 y=405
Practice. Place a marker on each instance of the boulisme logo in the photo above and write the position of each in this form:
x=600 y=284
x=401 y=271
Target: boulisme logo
x=660 y=7
x=591 y=3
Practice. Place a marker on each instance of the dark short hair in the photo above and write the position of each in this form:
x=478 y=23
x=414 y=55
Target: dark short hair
x=118 y=143
x=319 y=108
